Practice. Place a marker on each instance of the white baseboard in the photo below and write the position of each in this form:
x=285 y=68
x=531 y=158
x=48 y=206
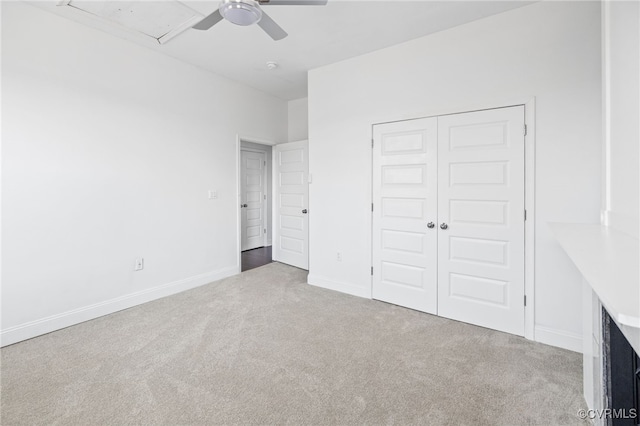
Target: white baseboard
x=59 y=321
x=342 y=287
x=558 y=338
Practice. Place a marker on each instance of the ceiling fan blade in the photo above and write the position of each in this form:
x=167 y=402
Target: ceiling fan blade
x=293 y=2
x=209 y=21
x=270 y=27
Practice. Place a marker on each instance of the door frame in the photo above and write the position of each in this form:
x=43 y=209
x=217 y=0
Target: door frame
x=529 y=104
x=239 y=139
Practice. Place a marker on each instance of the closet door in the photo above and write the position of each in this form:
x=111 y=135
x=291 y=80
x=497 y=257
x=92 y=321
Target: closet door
x=481 y=218
x=404 y=208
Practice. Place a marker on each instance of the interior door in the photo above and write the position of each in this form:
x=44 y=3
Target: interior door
x=481 y=218
x=253 y=198
x=404 y=214
x=291 y=230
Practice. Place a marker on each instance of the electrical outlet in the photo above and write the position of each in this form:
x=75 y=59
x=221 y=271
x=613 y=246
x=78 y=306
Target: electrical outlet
x=339 y=257
x=213 y=195
x=139 y=266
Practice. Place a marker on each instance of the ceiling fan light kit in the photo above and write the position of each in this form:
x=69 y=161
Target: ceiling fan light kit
x=241 y=12
x=248 y=12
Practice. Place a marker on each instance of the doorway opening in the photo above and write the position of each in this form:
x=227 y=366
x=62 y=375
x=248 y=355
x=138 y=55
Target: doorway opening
x=273 y=201
x=255 y=196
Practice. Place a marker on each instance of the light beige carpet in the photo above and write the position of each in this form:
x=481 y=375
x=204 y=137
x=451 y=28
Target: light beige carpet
x=263 y=347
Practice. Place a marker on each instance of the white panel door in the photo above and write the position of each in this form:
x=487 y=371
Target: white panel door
x=404 y=214
x=481 y=205
x=291 y=232
x=253 y=198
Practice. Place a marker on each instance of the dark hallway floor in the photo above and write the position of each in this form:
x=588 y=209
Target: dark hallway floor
x=256 y=257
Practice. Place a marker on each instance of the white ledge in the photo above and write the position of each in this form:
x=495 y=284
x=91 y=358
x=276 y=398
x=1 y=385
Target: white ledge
x=609 y=260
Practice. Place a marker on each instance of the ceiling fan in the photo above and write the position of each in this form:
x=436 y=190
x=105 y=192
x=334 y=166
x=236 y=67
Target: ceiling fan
x=249 y=12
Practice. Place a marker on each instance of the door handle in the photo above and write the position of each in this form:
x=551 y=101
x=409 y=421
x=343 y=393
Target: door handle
x=304 y=211
x=431 y=225
x=443 y=225
x=244 y=205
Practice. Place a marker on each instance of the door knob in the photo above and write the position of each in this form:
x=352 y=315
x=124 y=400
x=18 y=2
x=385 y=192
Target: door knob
x=304 y=211
x=244 y=205
x=443 y=225
x=431 y=225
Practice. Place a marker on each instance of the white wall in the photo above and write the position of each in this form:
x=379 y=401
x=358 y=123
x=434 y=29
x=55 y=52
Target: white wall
x=548 y=50
x=298 y=116
x=621 y=40
x=108 y=151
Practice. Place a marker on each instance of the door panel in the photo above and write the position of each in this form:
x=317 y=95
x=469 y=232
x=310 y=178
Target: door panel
x=481 y=199
x=253 y=190
x=291 y=233
x=405 y=199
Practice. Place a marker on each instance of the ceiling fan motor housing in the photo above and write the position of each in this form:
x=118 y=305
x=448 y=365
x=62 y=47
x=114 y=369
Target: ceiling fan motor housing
x=241 y=12
x=248 y=12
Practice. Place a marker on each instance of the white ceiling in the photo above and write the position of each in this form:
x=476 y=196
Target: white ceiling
x=318 y=35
